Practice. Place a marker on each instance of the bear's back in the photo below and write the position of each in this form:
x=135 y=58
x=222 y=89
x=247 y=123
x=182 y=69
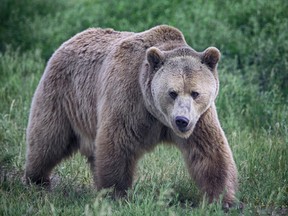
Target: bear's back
x=93 y=41
x=99 y=64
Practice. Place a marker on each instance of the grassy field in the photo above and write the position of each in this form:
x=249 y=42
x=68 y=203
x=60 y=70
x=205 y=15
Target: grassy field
x=252 y=103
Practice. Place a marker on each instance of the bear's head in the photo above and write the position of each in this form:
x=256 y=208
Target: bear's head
x=178 y=86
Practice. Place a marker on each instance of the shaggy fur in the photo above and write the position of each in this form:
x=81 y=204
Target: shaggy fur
x=115 y=95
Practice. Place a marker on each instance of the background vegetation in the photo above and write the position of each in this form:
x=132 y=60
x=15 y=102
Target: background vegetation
x=252 y=104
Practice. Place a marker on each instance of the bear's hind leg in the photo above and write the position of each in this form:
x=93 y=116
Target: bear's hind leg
x=49 y=141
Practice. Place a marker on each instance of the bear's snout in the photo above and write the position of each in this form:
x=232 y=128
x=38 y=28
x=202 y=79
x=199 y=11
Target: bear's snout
x=182 y=123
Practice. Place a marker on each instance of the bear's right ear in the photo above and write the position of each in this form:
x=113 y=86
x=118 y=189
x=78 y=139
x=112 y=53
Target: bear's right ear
x=210 y=57
x=155 y=57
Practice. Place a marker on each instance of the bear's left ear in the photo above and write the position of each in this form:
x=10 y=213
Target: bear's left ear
x=155 y=57
x=210 y=57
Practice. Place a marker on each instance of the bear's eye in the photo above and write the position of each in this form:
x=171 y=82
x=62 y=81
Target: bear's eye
x=194 y=95
x=173 y=95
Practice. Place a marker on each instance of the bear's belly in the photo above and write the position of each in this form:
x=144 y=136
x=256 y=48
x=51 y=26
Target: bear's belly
x=87 y=146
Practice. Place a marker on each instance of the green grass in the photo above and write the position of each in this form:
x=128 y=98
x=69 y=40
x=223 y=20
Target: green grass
x=252 y=104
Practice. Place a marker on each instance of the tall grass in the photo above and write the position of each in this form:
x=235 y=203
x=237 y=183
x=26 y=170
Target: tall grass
x=252 y=103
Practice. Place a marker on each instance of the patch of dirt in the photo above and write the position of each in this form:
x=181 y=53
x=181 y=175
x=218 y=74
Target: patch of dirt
x=8 y=174
x=273 y=211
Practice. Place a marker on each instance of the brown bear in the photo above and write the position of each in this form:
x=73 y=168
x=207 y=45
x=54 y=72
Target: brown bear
x=115 y=95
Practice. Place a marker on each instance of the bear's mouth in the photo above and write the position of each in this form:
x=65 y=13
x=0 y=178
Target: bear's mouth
x=183 y=132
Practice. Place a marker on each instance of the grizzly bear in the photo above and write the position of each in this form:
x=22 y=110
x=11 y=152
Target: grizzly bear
x=115 y=95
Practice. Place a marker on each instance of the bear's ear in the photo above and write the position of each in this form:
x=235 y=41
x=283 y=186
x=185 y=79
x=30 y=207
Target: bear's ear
x=155 y=57
x=210 y=57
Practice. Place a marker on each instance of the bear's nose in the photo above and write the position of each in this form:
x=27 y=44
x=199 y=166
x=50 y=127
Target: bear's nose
x=181 y=122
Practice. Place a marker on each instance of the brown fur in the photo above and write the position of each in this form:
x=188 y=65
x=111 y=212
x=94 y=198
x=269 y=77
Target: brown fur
x=106 y=93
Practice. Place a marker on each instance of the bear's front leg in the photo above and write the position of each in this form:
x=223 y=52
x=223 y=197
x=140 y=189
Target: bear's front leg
x=115 y=161
x=209 y=159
